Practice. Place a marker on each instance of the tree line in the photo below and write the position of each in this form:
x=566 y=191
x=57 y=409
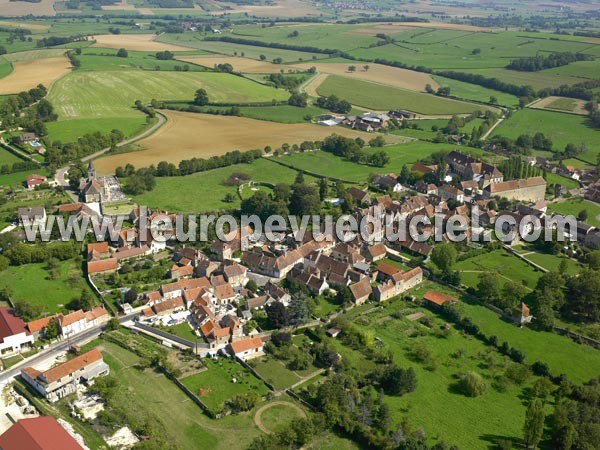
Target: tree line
x=541 y=62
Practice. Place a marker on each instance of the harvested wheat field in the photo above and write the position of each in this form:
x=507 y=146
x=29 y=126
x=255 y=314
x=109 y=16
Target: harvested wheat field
x=26 y=25
x=28 y=74
x=188 y=135
x=313 y=85
x=377 y=73
x=244 y=65
x=281 y=8
x=43 y=8
x=141 y=42
x=35 y=54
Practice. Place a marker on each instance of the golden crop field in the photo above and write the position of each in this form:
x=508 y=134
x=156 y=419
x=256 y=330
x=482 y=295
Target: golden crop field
x=377 y=73
x=189 y=135
x=141 y=42
x=29 y=73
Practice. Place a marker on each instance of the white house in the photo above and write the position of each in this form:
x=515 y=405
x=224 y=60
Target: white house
x=14 y=336
x=248 y=348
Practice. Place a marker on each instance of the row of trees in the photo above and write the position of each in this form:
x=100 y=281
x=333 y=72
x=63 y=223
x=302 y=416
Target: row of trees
x=541 y=62
x=352 y=149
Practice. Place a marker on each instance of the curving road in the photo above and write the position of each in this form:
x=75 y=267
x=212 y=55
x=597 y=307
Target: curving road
x=61 y=173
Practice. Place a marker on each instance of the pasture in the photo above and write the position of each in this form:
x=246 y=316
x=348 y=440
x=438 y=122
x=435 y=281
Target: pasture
x=113 y=94
x=141 y=42
x=537 y=80
x=380 y=97
x=29 y=73
x=103 y=59
x=189 y=135
x=476 y=93
x=561 y=128
x=7 y=157
x=205 y=191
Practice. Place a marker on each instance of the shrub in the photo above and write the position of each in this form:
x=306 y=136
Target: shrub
x=472 y=384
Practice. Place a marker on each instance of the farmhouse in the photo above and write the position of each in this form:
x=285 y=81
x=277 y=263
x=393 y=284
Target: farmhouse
x=522 y=315
x=63 y=379
x=527 y=189
x=25 y=138
x=38 y=433
x=14 y=336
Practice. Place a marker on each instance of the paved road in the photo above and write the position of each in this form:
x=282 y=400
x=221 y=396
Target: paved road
x=61 y=173
x=59 y=347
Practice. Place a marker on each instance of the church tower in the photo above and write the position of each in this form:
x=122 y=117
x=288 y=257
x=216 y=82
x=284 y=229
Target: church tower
x=91 y=171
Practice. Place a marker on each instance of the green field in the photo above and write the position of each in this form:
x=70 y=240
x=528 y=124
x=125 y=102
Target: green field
x=167 y=193
x=113 y=94
x=569 y=183
x=71 y=129
x=477 y=93
x=7 y=157
x=328 y=164
x=561 y=128
x=537 y=80
x=218 y=381
x=508 y=266
x=435 y=405
x=5 y=67
x=582 y=69
x=102 y=59
x=32 y=282
x=552 y=262
x=574 y=206
x=381 y=97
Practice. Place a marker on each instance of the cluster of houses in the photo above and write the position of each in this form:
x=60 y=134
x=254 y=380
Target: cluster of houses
x=369 y=122
x=100 y=190
x=17 y=336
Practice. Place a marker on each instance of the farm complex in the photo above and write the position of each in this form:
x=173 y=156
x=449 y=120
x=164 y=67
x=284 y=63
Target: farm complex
x=294 y=224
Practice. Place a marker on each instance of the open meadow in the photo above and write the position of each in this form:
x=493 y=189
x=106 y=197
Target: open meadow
x=244 y=65
x=206 y=191
x=381 y=97
x=28 y=74
x=561 y=128
x=574 y=206
x=189 y=135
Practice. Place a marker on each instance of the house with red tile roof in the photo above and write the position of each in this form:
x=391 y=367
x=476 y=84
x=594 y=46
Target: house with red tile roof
x=361 y=291
x=38 y=433
x=33 y=180
x=63 y=379
x=437 y=299
x=399 y=283
x=102 y=266
x=14 y=335
x=246 y=349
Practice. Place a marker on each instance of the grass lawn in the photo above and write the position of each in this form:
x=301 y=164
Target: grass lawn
x=209 y=187
x=154 y=397
x=561 y=128
x=183 y=330
x=32 y=282
x=275 y=372
x=552 y=262
x=324 y=307
x=17 y=179
x=70 y=130
x=381 y=97
x=574 y=206
x=215 y=385
x=277 y=417
x=509 y=267
x=569 y=183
